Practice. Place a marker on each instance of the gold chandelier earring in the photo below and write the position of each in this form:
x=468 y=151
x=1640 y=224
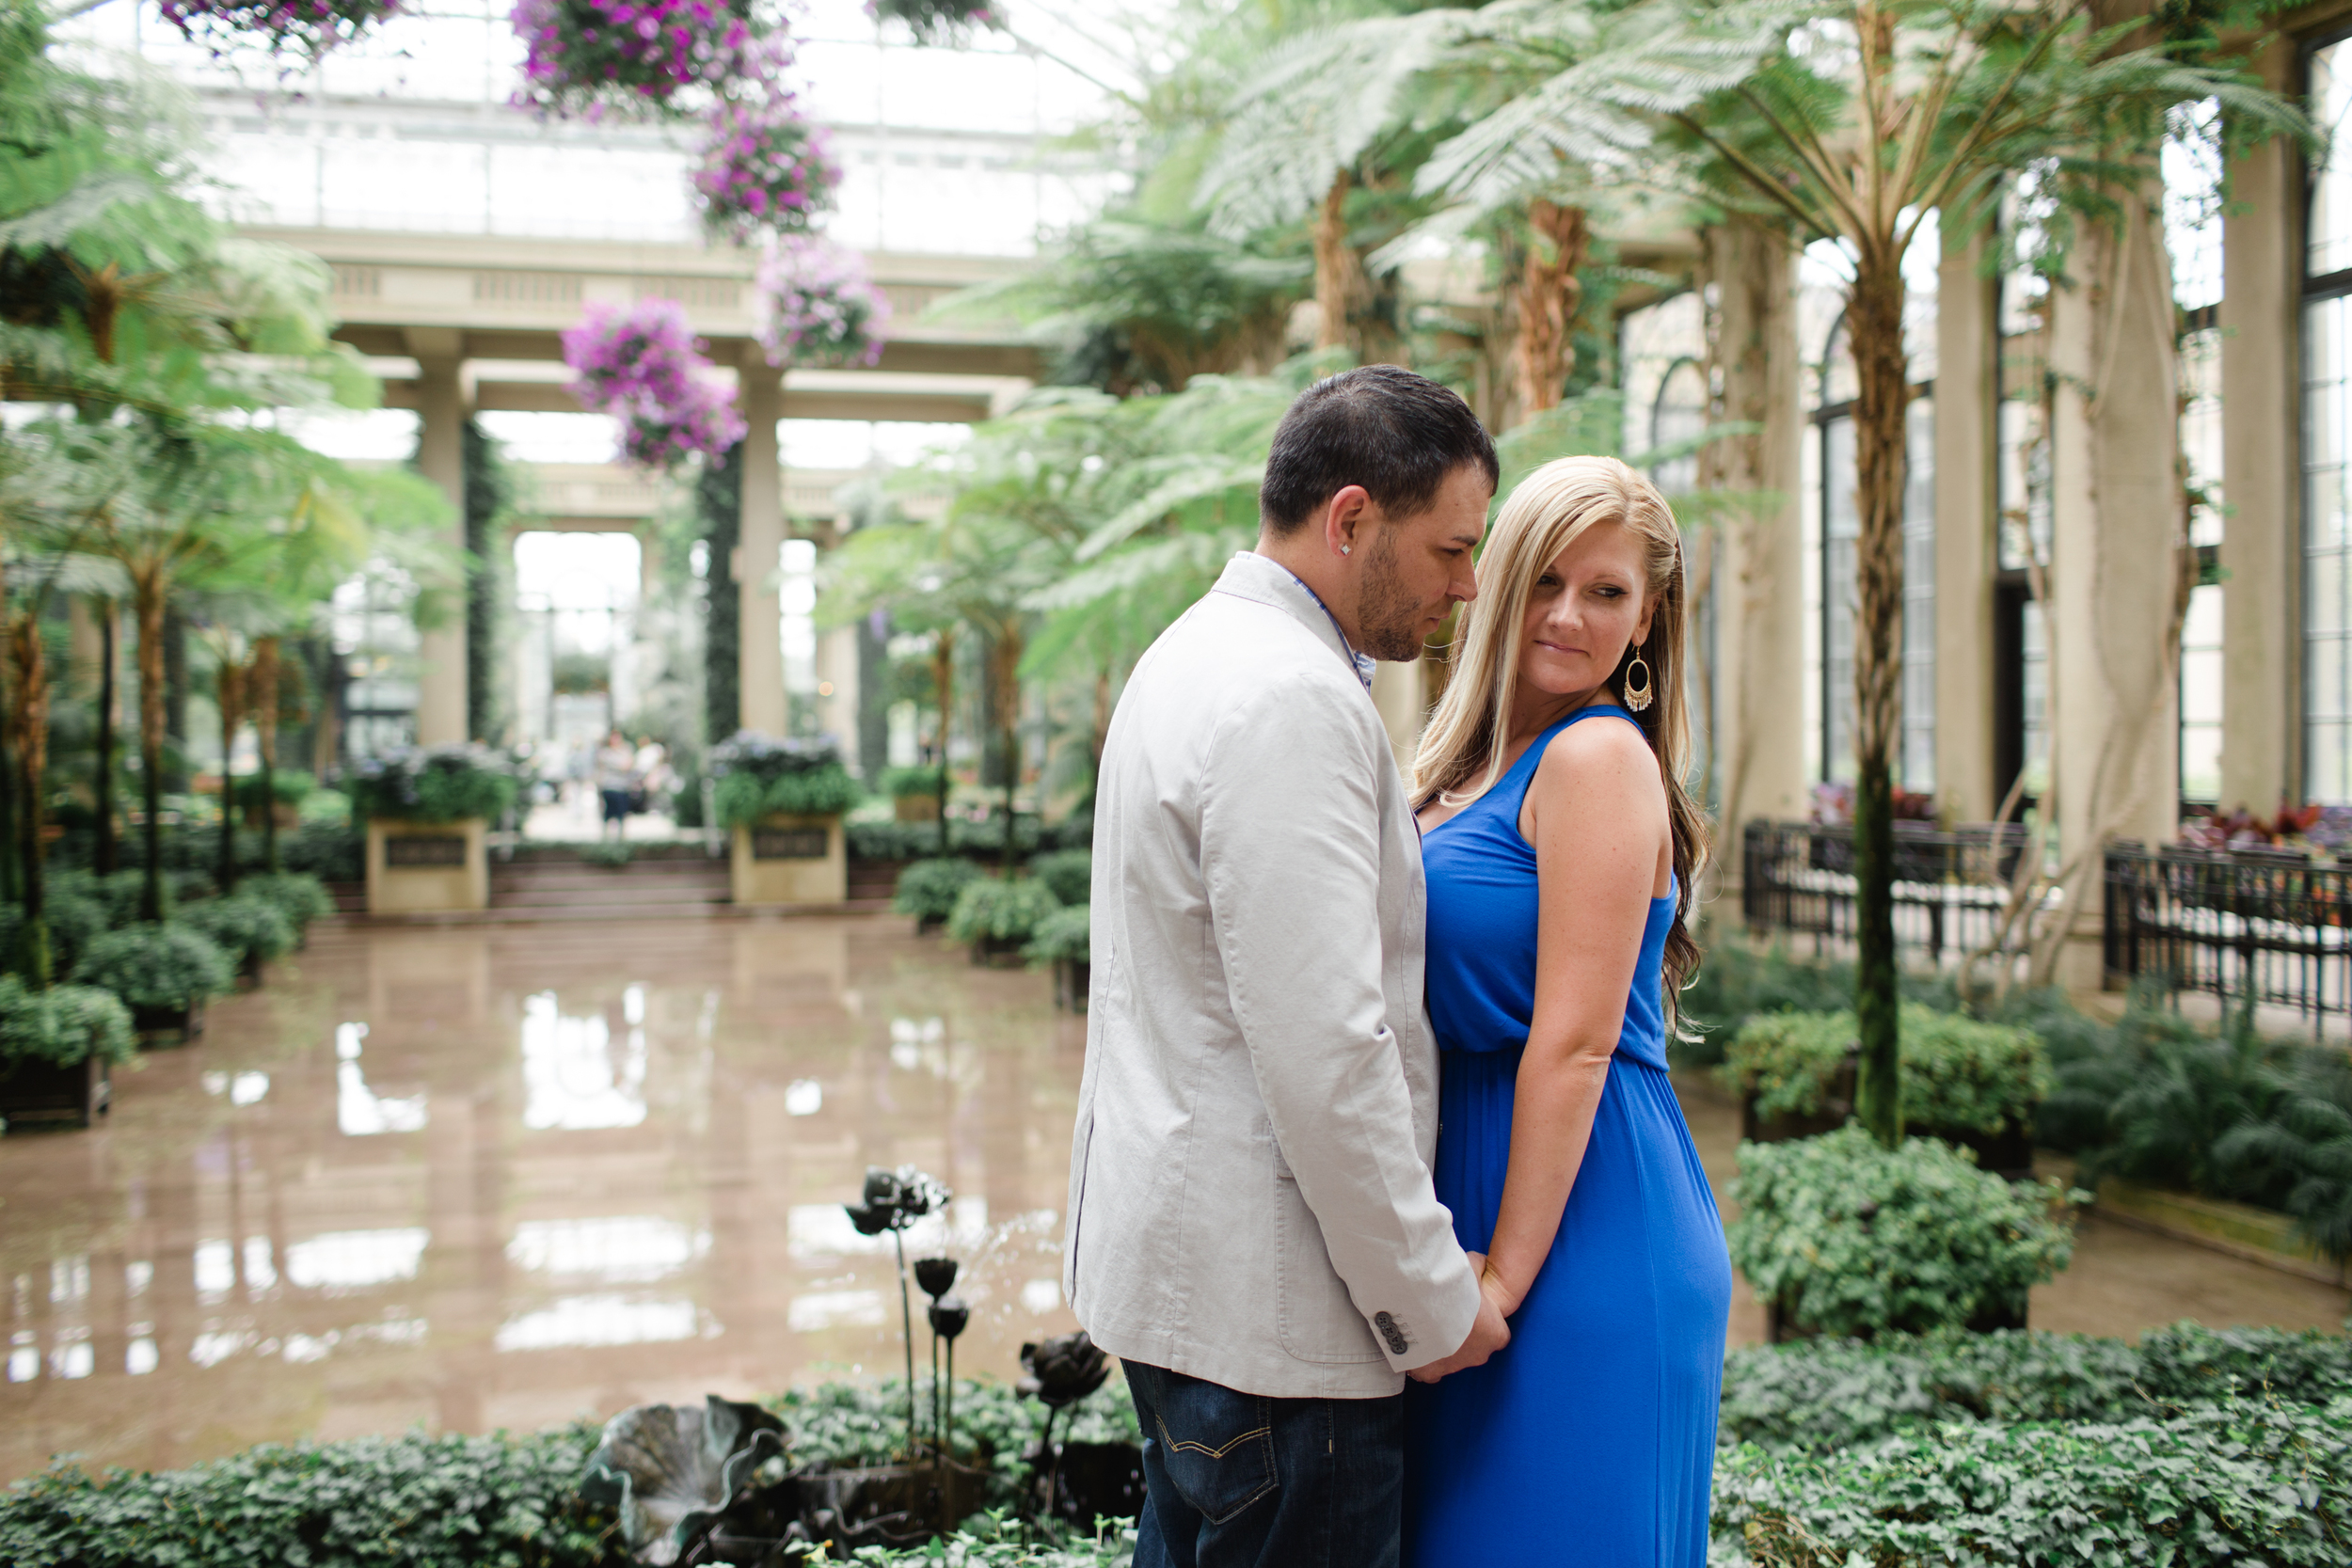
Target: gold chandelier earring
x=1638 y=697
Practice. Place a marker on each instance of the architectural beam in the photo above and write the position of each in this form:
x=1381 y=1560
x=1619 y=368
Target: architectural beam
x=1967 y=446
x=2262 y=254
x=440 y=456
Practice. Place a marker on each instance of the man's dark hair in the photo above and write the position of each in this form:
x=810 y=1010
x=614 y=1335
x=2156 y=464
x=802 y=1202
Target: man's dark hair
x=1396 y=434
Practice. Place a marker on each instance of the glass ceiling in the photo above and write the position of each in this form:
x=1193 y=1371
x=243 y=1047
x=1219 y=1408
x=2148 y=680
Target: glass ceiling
x=945 y=150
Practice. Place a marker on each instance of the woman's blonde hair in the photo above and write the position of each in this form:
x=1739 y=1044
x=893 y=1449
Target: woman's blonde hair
x=1464 y=749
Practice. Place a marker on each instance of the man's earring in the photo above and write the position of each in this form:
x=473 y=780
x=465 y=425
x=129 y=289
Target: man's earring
x=1348 y=550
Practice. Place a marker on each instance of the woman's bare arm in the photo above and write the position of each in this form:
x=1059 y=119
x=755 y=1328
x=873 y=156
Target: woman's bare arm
x=1597 y=816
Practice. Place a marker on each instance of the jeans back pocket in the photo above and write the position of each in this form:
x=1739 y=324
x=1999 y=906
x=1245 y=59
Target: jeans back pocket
x=1216 y=1445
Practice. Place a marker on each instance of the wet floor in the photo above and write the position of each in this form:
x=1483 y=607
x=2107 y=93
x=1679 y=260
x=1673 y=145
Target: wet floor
x=501 y=1177
x=466 y=1179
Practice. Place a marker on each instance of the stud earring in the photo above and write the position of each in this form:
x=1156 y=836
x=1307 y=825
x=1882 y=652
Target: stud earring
x=1638 y=697
x=1348 y=550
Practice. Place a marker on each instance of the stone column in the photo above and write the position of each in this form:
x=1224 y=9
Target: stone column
x=1967 y=445
x=440 y=456
x=2261 y=249
x=838 y=695
x=1759 y=571
x=760 y=651
x=2115 y=567
x=1398 y=691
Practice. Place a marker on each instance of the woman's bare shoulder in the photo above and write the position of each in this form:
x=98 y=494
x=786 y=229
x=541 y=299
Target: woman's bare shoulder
x=1597 y=753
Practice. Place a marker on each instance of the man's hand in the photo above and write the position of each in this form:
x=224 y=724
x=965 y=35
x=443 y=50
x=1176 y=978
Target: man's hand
x=1488 y=1334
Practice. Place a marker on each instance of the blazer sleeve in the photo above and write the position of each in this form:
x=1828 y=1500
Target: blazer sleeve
x=1290 y=856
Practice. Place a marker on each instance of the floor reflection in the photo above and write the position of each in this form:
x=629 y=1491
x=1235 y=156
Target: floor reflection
x=478 y=1179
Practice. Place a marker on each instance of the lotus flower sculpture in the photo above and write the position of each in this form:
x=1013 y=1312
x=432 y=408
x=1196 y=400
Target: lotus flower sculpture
x=893 y=1200
x=672 y=1472
x=1059 y=1372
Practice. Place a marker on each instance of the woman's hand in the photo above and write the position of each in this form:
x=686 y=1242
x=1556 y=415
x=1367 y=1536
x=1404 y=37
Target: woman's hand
x=1491 y=1286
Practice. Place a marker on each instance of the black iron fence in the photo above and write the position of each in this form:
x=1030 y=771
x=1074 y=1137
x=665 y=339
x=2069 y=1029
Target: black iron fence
x=1950 y=884
x=2269 y=924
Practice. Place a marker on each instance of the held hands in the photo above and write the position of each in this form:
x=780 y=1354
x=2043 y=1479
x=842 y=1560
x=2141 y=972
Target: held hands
x=1488 y=1334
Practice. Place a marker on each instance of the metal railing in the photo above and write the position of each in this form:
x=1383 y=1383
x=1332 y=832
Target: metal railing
x=1950 y=885
x=2270 y=926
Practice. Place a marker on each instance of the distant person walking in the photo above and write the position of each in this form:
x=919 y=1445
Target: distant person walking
x=616 y=783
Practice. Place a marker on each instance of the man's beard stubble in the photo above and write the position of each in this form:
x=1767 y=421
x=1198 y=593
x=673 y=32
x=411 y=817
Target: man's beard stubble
x=1388 y=617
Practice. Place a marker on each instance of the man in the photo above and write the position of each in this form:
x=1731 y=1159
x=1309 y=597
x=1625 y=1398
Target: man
x=1252 y=1224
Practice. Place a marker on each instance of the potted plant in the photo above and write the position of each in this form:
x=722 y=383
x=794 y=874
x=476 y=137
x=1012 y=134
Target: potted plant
x=251 y=931
x=914 y=792
x=1969 y=1082
x=57 y=1051
x=163 y=974
x=1842 y=1235
x=428 y=813
x=782 y=801
x=927 y=890
x=1069 y=872
x=1062 y=940
x=998 y=917
x=299 y=896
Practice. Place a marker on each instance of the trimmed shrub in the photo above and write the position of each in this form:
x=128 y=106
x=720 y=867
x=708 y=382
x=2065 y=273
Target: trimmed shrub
x=169 y=965
x=331 y=851
x=64 y=1024
x=245 y=927
x=760 y=776
x=927 y=890
x=850 y=1425
x=438 y=784
x=1959 y=1075
x=1069 y=872
x=1848 y=1237
x=901 y=783
x=299 y=896
x=1000 y=911
x=1064 y=936
x=1735 y=982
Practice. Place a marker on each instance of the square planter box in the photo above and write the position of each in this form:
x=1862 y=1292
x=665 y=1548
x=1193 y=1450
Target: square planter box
x=36 y=1092
x=161 y=1026
x=428 y=867
x=791 y=859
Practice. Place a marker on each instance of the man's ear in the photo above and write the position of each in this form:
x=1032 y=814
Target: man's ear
x=1343 y=516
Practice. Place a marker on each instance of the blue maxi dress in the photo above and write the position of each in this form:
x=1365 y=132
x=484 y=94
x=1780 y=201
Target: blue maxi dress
x=1589 y=1441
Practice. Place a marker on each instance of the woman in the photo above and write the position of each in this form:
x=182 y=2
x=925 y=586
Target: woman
x=1560 y=849
x=616 y=783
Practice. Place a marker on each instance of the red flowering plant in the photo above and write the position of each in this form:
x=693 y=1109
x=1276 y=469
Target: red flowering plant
x=587 y=56
x=310 y=28
x=818 y=305
x=765 y=167
x=639 y=363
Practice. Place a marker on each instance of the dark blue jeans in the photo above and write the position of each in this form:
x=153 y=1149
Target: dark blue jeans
x=1241 y=1480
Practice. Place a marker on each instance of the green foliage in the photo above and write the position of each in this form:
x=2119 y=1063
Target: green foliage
x=331 y=851
x=1069 y=873
x=1000 y=910
x=1735 y=982
x=300 y=897
x=908 y=841
x=421 y=1501
x=441 y=784
x=1066 y=935
x=2300 y=1148
x=285 y=786
x=64 y=1024
x=243 y=926
x=760 y=776
x=1959 y=1075
x=1850 y=1237
x=171 y=965
x=611 y=853
x=928 y=889
x=2241 y=1481
x=1829 y=1395
x=901 y=783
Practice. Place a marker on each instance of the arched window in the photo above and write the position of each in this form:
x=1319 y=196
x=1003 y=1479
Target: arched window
x=1677 y=416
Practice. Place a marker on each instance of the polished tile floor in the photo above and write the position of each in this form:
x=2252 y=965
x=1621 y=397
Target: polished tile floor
x=500 y=1176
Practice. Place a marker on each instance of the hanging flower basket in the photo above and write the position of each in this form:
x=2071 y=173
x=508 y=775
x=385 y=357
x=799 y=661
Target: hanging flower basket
x=588 y=57
x=307 y=28
x=639 y=363
x=764 y=166
x=818 y=305
x=937 y=20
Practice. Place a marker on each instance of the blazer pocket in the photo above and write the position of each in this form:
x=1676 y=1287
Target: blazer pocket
x=1216 y=1445
x=1315 y=1319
